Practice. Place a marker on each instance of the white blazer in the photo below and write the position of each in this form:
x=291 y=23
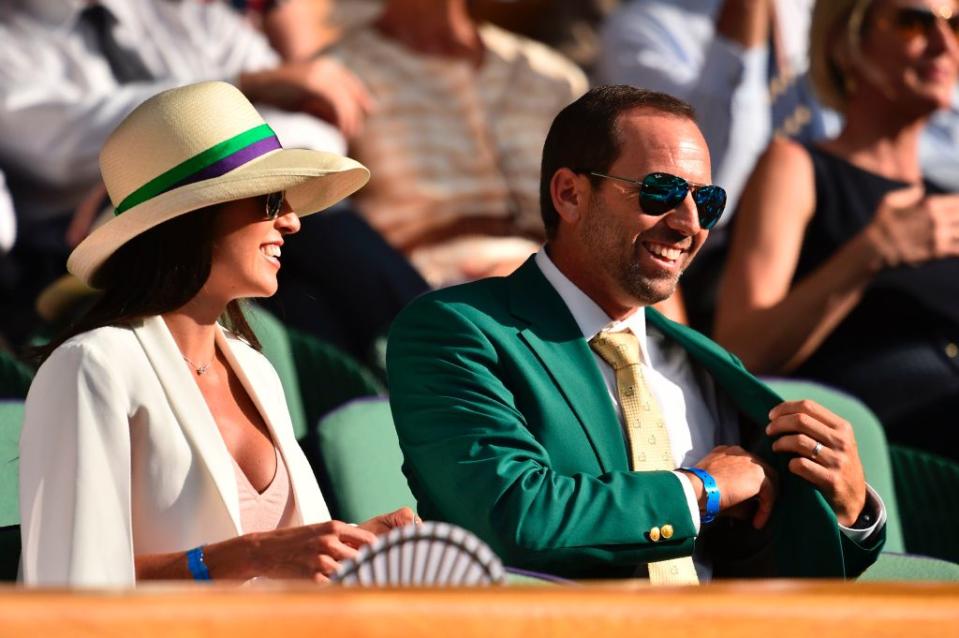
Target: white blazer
x=120 y=456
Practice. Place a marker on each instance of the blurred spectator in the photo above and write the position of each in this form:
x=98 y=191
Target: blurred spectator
x=296 y=29
x=569 y=26
x=461 y=114
x=740 y=63
x=843 y=266
x=70 y=71
x=743 y=65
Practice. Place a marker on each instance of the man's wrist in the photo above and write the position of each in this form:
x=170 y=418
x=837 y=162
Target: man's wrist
x=698 y=489
x=707 y=493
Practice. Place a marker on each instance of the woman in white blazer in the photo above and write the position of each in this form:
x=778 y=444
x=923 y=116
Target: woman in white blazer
x=157 y=442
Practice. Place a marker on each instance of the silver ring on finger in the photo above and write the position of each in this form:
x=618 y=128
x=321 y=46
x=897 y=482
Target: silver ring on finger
x=816 y=450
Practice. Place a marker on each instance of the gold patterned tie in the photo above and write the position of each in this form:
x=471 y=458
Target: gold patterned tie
x=646 y=433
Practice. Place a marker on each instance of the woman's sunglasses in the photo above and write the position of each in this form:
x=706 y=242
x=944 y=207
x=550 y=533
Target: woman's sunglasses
x=660 y=193
x=274 y=205
x=913 y=22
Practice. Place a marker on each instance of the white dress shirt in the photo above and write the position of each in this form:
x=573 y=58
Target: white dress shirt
x=59 y=100
x=698 y=417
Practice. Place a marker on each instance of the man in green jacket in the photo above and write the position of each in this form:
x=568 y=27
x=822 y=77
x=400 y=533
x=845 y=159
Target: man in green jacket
x=581 y=433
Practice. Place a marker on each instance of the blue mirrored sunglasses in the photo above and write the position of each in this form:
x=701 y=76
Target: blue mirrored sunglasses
x=660 y=193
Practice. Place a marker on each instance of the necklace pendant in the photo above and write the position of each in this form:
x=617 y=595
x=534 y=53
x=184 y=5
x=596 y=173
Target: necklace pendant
x=202 y=369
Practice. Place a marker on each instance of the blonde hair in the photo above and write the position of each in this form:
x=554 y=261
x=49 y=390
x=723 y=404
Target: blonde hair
x=834 y=43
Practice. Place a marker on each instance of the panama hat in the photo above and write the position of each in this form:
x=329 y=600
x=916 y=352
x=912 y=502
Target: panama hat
x=196 y=146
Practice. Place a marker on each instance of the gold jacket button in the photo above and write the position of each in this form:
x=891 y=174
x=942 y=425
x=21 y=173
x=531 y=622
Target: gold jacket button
x=666 y=531
x=654 y=534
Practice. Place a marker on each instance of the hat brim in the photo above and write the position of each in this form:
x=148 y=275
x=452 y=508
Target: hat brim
x=312 y=181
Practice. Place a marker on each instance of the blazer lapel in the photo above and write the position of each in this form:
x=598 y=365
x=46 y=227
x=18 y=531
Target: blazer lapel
x=191 y=410
x=750 y=395
x=806 y=541
x=555 y=339
x=274 y=414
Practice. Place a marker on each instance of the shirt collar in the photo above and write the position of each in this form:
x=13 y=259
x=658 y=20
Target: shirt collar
x=590 y=318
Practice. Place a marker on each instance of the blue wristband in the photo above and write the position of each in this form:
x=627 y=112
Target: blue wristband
x=194 y=562
x=712 y=493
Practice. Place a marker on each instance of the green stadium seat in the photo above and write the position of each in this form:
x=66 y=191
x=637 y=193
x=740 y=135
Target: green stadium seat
x=11 y=420
x=928 y=502
x=900 y=567
x=361 y=461
x=317 y=377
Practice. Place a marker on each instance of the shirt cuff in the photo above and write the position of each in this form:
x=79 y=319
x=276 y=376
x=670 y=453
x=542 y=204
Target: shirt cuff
x=691 y=499
x=878 y=508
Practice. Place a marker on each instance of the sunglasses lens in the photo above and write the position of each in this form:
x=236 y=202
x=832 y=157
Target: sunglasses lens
x=710 y=202
x=274 y=203
x=661 y=193
x=913 y=23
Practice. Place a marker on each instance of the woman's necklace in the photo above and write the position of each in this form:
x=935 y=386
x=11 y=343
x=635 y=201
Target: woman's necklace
x=200 y=369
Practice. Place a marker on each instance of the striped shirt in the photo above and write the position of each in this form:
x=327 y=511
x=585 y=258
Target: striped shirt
x=450 y=143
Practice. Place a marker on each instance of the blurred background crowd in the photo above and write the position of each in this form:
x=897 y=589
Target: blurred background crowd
x=834 y=129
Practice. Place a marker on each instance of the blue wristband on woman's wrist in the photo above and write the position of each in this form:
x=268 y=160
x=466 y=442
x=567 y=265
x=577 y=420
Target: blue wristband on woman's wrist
x=194 y=562
x=712 y=493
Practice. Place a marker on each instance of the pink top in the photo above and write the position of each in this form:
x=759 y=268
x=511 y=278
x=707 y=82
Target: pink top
x=273 y=508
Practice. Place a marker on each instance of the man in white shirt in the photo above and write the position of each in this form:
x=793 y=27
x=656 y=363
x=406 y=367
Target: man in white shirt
x=518 y=422
x=71 y=70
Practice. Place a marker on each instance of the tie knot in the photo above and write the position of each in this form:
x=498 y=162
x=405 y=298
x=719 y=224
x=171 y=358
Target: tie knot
x=618 y=349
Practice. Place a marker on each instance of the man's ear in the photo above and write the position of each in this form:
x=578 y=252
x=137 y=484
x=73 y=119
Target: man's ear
x=569 y=193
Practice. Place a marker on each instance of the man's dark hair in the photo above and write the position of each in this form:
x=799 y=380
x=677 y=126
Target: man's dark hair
x=585 y=136
x=154 y=273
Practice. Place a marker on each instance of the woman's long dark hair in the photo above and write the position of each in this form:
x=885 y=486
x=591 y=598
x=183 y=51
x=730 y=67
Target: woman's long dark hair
x=154 y=273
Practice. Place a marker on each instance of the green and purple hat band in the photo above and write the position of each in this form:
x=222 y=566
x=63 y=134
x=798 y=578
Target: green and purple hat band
x=215 y=161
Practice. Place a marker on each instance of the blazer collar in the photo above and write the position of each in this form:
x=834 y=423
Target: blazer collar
x=556 y=340
x=310 y=506
x=194 y=415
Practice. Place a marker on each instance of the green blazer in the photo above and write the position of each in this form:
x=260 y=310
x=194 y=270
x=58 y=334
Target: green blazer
x=507 y=430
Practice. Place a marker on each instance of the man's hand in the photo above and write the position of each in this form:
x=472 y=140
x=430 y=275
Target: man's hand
x=741 y=478
x=86 y=214
x=319 y=86
x=834 y=466
x=385 y=522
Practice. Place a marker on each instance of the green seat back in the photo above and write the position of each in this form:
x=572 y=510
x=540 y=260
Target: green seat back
x=11 y=420
x=329 y=377
x=277 y=348
x=926 y=485
x=361 y=461
x=909 y=567
x=870 y=438
x=316 y=376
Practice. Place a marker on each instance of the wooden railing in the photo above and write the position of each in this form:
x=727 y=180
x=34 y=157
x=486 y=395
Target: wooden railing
x=769 y=609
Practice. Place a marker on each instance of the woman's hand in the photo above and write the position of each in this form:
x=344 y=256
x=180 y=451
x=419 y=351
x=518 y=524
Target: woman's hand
x=910 y=228
x=385 y=522
x=310 y=551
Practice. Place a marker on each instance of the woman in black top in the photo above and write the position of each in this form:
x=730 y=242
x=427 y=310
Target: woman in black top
x=843 y=265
